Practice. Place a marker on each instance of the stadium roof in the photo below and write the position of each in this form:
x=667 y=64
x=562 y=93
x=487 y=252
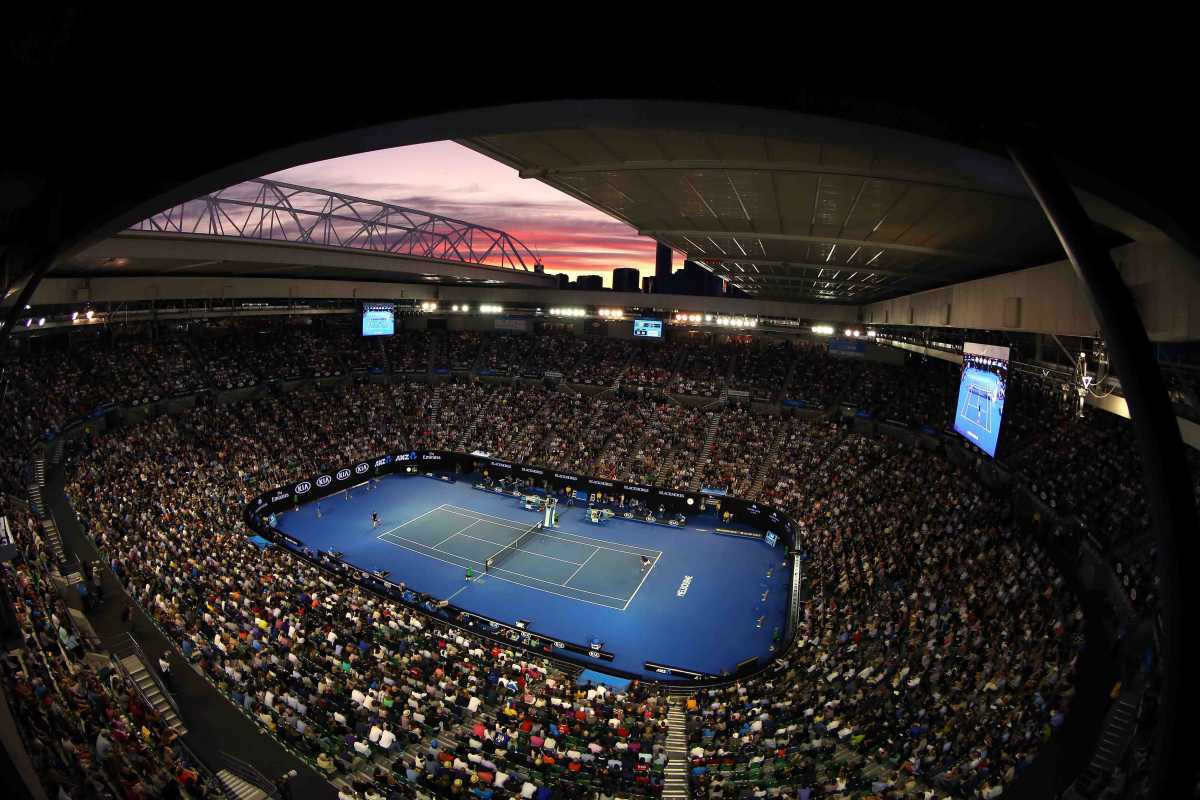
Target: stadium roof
x=843 y=211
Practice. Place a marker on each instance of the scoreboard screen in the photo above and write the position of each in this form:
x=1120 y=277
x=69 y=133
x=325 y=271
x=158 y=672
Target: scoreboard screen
x=378 y=319
x=981 y=393
x=648 y=328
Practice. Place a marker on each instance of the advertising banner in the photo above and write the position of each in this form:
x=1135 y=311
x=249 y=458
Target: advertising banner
x=854 y=348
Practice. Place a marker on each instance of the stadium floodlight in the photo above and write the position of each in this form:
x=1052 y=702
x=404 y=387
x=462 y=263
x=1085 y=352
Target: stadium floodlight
x=823 y=330
x=90 y=314
x=74 y=316
x=41 y=322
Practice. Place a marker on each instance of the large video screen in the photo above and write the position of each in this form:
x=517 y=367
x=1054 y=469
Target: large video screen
x=981 y=394
x=379 y=319
x=650 y=328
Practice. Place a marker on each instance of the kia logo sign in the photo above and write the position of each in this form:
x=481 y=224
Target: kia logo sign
x=343 y=474
x=303 y=487
x=361 y=468
x=324 y=481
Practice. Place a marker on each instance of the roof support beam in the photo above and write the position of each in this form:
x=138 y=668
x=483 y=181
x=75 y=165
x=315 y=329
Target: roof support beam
x=796 y=280
x=835 y=240
x=793 y=167
x=762 y=262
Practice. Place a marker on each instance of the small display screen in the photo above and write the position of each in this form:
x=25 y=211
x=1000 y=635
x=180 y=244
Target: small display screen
x=379 y=319
x=649 y=328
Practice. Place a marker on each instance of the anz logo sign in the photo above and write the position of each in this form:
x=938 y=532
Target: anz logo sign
x=343 y=474
x=303 y=487
x=382 y=462
x=361 y=468
x=324 y=481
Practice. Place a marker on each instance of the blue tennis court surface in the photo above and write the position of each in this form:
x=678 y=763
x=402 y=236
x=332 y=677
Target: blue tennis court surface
x=564 y=564
x=704 y=601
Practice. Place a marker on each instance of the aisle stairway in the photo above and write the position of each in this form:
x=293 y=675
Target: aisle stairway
x=56 y=452
x=675 y=784
x=714 y=422
x=1120 y=724
x=435 y=403
x=780 y=394
x=149 y=689
x=764 y=465
x=237 y=788
x=37 y=505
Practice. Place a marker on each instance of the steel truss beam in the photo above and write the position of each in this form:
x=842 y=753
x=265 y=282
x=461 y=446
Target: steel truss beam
x=270 y=210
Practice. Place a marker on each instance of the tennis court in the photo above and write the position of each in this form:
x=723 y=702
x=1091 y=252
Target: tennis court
x=978 y=406
x=550 y=560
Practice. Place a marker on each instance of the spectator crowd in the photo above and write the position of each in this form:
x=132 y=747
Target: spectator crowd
x=935 y=655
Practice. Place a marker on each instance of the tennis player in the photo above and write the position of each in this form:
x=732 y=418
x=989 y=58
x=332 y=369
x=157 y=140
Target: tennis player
x=645 y=563
x=374 y=519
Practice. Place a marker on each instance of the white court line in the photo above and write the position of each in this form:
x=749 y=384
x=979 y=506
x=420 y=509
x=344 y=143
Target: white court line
x=456 y=533
x=576 y=572
x=451 y=597
x=603 y=544
x=414 y=519
x=509 y=571
x=509 y=580
x=504 y=544
x=639 y=586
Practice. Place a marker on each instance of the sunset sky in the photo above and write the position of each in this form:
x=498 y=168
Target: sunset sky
x=447 y=178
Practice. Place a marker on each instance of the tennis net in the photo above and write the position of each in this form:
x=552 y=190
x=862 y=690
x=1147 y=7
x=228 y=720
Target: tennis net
x=496 y=558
